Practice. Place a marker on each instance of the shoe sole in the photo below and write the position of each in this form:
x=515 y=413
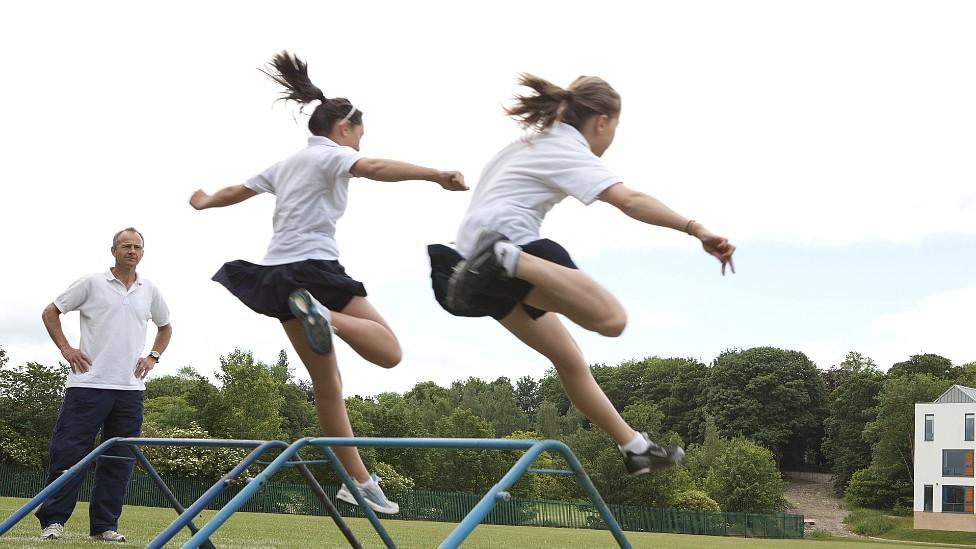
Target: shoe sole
x=452 y=283
x=351 y=500
x=318 y=333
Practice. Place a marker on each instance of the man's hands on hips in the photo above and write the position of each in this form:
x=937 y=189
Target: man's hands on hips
x=143 y=366
x=79 y=361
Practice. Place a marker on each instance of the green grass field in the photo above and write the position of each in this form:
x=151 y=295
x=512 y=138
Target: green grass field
x=256 y=530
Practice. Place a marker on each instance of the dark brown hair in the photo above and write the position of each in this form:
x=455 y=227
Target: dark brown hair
x=587 y=96
x=292 y=73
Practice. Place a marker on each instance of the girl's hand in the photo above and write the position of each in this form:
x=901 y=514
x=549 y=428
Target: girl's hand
x=718 y=247
x=451 y=181
x=199 y=200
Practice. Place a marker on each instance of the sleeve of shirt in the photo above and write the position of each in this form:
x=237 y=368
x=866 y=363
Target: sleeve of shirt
x=74 y=296
x=158 y=309
x=264 y=181
x=582 y=175
x=341 y=162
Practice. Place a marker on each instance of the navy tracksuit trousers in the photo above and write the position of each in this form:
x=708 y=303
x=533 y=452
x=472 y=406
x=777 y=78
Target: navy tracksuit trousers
x=83 y=413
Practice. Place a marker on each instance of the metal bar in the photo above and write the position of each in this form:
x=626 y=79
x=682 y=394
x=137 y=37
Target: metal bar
x=75 y=469
x=166 y=492
x=360 y=499
x=201 y=503
x=330 y=509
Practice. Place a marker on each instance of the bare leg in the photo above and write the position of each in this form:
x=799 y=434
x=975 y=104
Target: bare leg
x=329 y=405
x=362 y=327
x=571 y=293
x=548 y=336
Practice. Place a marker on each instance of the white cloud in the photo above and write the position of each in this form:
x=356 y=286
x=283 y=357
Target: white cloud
x=940 y=324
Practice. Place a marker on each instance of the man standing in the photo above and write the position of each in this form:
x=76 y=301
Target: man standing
x=105 y=385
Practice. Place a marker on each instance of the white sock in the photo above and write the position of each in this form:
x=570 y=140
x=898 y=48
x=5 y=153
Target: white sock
x=508 y=255
x=368 y=482
x=636 y=445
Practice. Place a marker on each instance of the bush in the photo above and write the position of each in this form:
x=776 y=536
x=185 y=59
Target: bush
x=744 y=478
x=874 y=489
x=694 y=500
x=868 y=522
x=820 y=534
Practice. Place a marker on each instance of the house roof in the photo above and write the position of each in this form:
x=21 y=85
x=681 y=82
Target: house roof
x=957 y=393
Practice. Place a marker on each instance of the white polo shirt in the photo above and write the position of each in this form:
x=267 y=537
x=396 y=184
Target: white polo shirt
x=525 y=180
x=311 y=189
x=113 y=327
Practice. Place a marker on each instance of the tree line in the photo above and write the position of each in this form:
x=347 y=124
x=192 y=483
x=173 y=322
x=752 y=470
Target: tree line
x=743 y=418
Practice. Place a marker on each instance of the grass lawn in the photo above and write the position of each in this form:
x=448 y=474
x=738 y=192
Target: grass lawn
x=904 y=531
x=257 y=530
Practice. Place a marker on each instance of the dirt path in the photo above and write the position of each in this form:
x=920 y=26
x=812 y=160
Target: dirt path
x=816 y=501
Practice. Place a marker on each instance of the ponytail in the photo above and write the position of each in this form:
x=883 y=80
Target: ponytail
x=586 y=96
x=292 y=73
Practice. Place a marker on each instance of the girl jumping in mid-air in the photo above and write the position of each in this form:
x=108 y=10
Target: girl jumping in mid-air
x=300 y=281
x=502 y=267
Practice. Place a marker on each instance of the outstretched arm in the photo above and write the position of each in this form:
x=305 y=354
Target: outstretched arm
x=652 y=211
x=224 y=197
x=379 y=169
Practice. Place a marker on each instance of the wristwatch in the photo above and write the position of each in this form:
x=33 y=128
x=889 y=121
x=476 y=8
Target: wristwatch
x=154 y=355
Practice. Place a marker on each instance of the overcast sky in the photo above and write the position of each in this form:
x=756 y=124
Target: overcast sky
x=832 y=142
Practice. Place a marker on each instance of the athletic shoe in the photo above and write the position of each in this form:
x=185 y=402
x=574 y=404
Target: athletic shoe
x=374 y=496
x=109 y=535
x=655 y=457
x=473 y=274
x=53 y=531
x=315 y=320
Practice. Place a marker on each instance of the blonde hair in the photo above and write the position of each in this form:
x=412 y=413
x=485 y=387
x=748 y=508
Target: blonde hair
x=586 y=97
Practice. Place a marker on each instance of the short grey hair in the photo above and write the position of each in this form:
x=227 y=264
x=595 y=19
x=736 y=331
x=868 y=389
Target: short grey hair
x=115 y=239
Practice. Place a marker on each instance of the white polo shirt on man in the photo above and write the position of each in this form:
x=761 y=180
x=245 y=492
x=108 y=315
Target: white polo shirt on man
x=525 y=180
x=113 y=327
x=311 y=189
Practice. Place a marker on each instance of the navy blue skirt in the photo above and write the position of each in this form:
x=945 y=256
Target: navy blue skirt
x=500 y=297
x=265 y=288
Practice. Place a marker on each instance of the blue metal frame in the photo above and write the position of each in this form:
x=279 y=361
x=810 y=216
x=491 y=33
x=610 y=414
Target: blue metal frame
x=533 y=448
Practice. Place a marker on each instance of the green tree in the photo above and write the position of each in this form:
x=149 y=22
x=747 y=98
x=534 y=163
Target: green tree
x=472 y=471
x=30 y=397
x=892 y=432
x=773 y=397
x=250 y=399
x=702 y=456
x=527 y=396
x=550 y=424
x=169 y=412
x=933 y=365
x=745 y=479
x=853 y=404
x=694 y=500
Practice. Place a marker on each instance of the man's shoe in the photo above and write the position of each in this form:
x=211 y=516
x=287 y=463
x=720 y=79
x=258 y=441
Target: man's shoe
x=53 y=531
x=374 y=496
x=314 y=318
x=655 y=457
x=472 y=274
x=109 y=535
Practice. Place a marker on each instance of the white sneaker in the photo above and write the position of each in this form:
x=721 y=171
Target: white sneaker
x=109 y=535
x=373 y=494
x=53 y=531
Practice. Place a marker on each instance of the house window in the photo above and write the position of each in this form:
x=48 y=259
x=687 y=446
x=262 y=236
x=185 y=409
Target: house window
x=927 y=506
x=957 y=463
x=929 y=427
x=970 y=424
x=957 y=499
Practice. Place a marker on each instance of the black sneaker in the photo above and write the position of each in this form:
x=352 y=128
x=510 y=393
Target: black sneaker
x=655 y=457
x=473 y=274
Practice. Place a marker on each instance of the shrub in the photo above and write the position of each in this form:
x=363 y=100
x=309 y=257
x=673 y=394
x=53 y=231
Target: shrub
x=868 y=522
x=694 y=500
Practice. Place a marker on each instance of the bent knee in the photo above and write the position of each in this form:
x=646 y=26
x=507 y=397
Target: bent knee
x=613 y=325
x=390 y=359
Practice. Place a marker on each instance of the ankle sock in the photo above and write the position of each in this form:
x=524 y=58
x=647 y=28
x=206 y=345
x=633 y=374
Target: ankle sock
x=637 y=445
x=507 y=255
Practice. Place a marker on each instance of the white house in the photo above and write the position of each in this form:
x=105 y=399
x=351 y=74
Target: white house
x=944 y=446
